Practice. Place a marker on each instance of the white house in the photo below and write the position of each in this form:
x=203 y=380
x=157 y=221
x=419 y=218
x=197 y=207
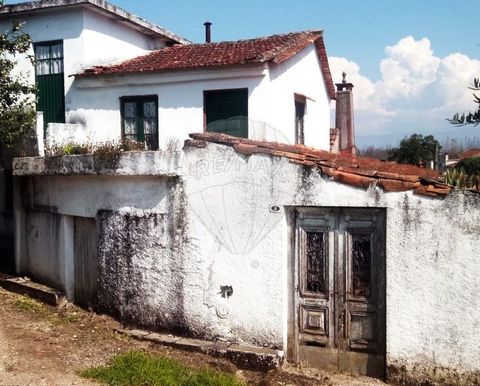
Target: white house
x=71 y=35
x=273 y=88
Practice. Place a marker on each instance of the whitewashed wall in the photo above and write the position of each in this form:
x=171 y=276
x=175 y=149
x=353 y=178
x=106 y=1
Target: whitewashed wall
x=180 y=99
x=88 y=39
x=213 y=227
x=271 y=108
x=303 y=75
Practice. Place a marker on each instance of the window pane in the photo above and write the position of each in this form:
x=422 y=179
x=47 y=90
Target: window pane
x=361 y=265
x=130 y=126
x=57 y=51
x=42 y=52
x=149 y=110
x=130 y=110
x=56 y=66
x=315 y=255
x=42 y=67
x=150 y=126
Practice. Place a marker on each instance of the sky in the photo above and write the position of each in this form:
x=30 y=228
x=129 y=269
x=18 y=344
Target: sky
x=411 y=61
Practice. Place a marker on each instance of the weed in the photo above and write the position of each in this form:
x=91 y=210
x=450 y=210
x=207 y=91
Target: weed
x=27 y=304
x=137 y=368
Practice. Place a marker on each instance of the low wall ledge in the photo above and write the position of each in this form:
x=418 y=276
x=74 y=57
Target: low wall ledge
x=135 y=163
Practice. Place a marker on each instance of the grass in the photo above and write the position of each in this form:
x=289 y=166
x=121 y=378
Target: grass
x=27 y=304
x=135 y=368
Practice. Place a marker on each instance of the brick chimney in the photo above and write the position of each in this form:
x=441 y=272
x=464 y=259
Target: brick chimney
x=344 y=117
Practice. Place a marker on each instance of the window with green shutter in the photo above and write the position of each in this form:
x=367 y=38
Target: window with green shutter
x=140 y=119
x=226 y=111
x=49 y=78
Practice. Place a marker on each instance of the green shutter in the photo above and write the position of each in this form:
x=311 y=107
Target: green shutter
x=227 y=112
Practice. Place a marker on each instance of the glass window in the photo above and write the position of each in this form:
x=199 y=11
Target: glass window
x=140 y=120
x=48 y=58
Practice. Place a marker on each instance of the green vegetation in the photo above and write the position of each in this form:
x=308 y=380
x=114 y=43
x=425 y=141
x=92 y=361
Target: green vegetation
x=136 y=368
x=472 y=118
x=460 y=179
x=415 y=149
x=465 y=175
x=17 y=105
x=27 y=304
x=470 y=166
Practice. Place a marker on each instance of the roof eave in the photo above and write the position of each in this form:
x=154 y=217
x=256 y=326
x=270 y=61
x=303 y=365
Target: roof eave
x=98 y=5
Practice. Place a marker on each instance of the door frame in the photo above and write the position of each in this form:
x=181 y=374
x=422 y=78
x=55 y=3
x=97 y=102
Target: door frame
x=292 y=352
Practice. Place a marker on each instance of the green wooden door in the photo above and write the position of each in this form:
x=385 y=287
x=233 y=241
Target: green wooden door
x=226 y=111
x=50 y=97
x=49 y=78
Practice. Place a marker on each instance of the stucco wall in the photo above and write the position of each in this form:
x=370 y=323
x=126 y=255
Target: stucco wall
x=213 y=227
x=88 y=38
x=180 y=100
x=301 y=74
x=271 y=108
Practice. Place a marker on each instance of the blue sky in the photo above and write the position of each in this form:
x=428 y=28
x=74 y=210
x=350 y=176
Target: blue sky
x=411 y=61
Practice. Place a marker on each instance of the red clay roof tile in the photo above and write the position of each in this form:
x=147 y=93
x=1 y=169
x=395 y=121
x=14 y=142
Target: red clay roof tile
x=346 y=168
x=275 y=49
x=470 y=153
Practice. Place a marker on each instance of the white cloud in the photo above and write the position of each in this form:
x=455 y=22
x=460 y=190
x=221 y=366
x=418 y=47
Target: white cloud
x=417 y=89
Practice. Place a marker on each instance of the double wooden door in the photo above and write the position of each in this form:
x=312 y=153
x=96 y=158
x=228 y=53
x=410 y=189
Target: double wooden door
x=339 y=289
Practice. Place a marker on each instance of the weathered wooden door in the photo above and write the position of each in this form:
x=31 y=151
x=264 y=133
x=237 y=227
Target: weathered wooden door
x=85 y=261
x=339 y=289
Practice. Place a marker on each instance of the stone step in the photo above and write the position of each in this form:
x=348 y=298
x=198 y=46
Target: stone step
x=24 y=286
x=247 y=357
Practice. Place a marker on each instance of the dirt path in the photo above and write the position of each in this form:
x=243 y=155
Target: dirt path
x=41 y=345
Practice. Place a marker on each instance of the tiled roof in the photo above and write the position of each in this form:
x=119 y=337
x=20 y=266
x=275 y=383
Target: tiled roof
x=352 y=170
x=470 y=153
x=274 y=49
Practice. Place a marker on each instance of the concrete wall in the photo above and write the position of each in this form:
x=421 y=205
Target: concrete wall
x=167 y=246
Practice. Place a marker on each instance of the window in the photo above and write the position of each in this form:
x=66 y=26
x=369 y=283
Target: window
x=140 y=120
x=50 y=81
x=300 y=105
x=226 y=111
x=48 y=58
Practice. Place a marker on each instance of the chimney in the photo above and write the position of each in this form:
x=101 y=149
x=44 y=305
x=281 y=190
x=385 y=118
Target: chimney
x=344 y=116
x=208 y=32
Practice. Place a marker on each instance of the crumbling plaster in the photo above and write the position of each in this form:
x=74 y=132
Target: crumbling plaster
x=168 y=244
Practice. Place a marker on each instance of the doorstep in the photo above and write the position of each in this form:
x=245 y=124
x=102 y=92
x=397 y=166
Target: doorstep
x=255 y=358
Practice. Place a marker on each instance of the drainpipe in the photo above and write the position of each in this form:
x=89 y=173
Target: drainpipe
x=344 y=116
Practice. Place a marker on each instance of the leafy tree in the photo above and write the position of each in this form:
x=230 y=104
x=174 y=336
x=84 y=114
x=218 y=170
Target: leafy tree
x=470 y=118
x=470 y=166
x=415 y=149
x=17 y=110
